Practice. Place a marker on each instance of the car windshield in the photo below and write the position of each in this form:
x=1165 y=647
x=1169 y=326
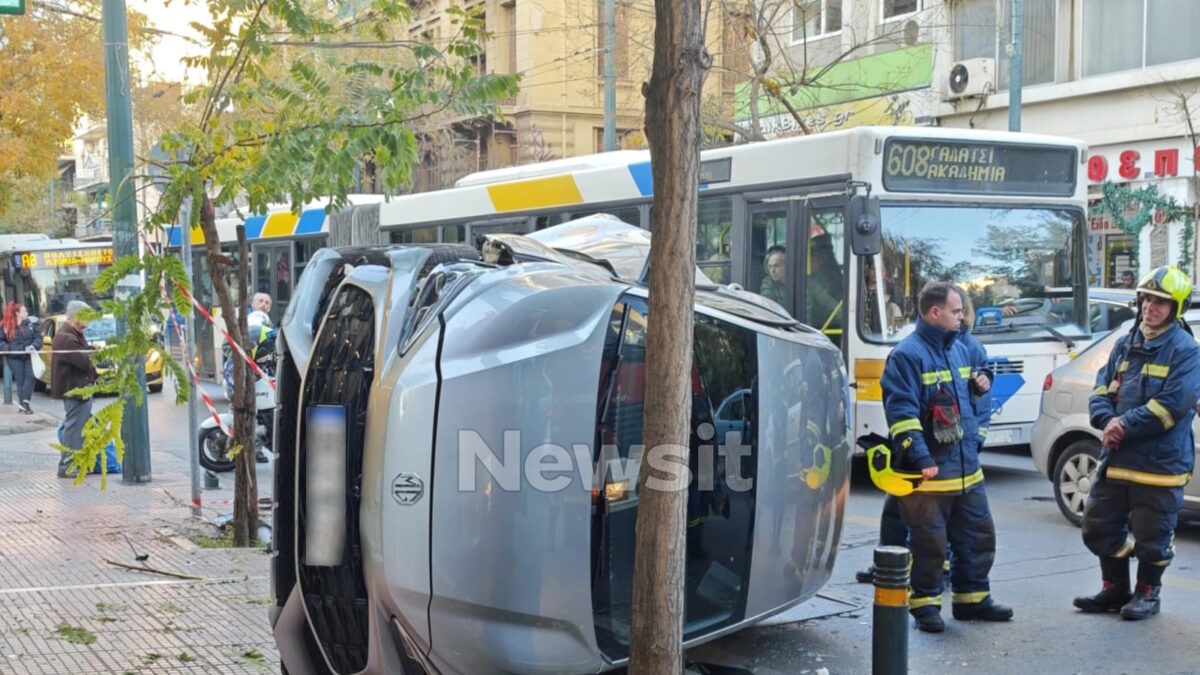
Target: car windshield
x=1021 y=268
x=101 y=330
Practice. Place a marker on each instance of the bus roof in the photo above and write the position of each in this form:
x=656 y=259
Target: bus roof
x=625 y=176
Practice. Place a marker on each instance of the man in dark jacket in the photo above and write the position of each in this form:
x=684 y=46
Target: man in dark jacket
x=71 y=367
x=1144 y=400
x=934 y=428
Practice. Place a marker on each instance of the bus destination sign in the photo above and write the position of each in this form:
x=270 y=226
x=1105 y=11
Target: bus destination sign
x=912 y=165
x=65 y=257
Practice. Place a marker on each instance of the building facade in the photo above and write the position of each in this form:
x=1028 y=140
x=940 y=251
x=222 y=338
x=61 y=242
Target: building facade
x=837 y=64
x=558 y=48
x=1122 y=75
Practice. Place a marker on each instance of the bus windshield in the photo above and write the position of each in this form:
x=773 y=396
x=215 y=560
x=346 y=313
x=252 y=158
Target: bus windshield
x=1019 y=266
x=46 y=280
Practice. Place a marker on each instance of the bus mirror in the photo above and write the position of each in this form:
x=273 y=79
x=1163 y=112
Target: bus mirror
x=863 y=216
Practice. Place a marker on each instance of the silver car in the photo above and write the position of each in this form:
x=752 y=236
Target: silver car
x=459 y=441
x=1065 y=447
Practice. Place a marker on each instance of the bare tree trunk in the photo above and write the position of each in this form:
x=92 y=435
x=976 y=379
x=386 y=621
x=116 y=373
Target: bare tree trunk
x=243 y=423
x=673 y=132
x=245 y=482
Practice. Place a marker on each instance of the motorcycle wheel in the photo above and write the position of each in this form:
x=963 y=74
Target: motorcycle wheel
x=214 y=455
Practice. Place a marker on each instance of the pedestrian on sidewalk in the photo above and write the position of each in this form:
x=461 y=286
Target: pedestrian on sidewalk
x=1144 y=401
x=71 y=367
x=19 y=338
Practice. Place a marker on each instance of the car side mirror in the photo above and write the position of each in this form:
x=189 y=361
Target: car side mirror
x=862 y=216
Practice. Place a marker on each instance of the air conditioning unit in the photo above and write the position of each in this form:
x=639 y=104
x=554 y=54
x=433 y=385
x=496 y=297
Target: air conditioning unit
x=970 y=78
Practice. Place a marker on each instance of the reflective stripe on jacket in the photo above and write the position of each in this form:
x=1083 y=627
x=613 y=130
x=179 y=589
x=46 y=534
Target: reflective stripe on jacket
x=1152 y=386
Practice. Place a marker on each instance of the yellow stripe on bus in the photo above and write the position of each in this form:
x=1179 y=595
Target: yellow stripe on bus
x=536 y=193
x=280 y=224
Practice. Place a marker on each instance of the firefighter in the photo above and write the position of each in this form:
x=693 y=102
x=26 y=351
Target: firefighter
x=935 y=432
x=891 y=528
x=1144 y=400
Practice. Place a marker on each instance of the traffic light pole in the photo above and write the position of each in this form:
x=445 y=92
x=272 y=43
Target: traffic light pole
x=135 y=431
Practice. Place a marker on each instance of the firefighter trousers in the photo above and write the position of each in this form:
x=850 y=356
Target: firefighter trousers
x=1116 y=510
x=962 y=519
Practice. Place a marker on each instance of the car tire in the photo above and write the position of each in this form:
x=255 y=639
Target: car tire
x=1073 y=475
x=155 y=388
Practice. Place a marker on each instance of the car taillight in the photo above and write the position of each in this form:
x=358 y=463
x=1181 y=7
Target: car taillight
x=1048 y=383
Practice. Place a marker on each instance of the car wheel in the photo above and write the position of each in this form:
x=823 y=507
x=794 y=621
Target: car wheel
x=1073 y=477
x=155 y=388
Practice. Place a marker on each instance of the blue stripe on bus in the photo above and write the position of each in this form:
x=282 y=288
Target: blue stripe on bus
x=642 y=178
x=311 y=221
x=254 y=226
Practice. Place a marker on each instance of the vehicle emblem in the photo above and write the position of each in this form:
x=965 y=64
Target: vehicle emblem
x=408 y=488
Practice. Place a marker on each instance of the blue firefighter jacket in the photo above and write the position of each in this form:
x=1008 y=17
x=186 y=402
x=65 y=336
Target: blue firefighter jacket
x=1152 y=385
x=982 y=402
x=929 y=359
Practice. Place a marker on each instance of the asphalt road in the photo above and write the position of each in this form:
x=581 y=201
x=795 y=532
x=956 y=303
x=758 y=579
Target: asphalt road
x=1041 y=565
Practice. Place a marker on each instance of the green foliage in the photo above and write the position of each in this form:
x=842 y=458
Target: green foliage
x=1132 y=209
x=75 y=634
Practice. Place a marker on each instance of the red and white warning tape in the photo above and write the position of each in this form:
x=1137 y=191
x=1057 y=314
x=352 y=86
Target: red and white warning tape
x=212 y=409
x=204 y=312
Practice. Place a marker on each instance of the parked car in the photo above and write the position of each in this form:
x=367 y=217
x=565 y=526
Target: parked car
x=1065 y=447
x=98 y=332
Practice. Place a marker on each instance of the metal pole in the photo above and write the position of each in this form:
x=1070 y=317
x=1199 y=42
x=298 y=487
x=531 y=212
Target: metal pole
x=188 y=351
x=889 y=628
x=1014 y=88
x=135 y=428
x=52 y=219
x=610 y=75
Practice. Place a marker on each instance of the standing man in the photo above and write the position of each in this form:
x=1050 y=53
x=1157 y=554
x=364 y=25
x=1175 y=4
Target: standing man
x=932 y=421
x=891 y=526
x=1144 y=400
x=70 y=368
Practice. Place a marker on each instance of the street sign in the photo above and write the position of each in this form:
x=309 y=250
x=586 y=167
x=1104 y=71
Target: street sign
x=12 y=7
x=158 y=160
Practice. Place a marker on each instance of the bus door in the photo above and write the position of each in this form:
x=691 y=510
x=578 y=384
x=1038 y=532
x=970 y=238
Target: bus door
x=797 y=258
x=273 y=276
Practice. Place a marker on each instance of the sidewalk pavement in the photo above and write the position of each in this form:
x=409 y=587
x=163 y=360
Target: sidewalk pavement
x=64 y=608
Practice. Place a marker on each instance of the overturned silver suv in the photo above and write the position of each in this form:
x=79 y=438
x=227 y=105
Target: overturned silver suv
x=459 y=434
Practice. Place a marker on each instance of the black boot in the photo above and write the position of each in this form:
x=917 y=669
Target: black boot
x=866 y=576
x=988 y=610
x=1115 y=592
x=929 y=619
x=260 y=456
x=1145 y=603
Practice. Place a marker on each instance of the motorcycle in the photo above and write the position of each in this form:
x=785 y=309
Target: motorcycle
x=215 y=446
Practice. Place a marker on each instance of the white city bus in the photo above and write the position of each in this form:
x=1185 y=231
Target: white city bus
x=1001 y=214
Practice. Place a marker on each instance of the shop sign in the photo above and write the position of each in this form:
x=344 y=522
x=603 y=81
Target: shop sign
x=1142 y=161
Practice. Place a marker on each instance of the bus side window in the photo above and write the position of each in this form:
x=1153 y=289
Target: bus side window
x=714 y=219
x=542 y=222
x=454 y=234
x=768 y=253
x=824 y=305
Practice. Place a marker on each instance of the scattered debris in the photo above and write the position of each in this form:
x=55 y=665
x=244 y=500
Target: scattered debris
x=146 y=568
x=75 y=634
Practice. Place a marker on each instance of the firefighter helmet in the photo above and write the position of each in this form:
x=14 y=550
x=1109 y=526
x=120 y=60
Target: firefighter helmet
x=1168 y=282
